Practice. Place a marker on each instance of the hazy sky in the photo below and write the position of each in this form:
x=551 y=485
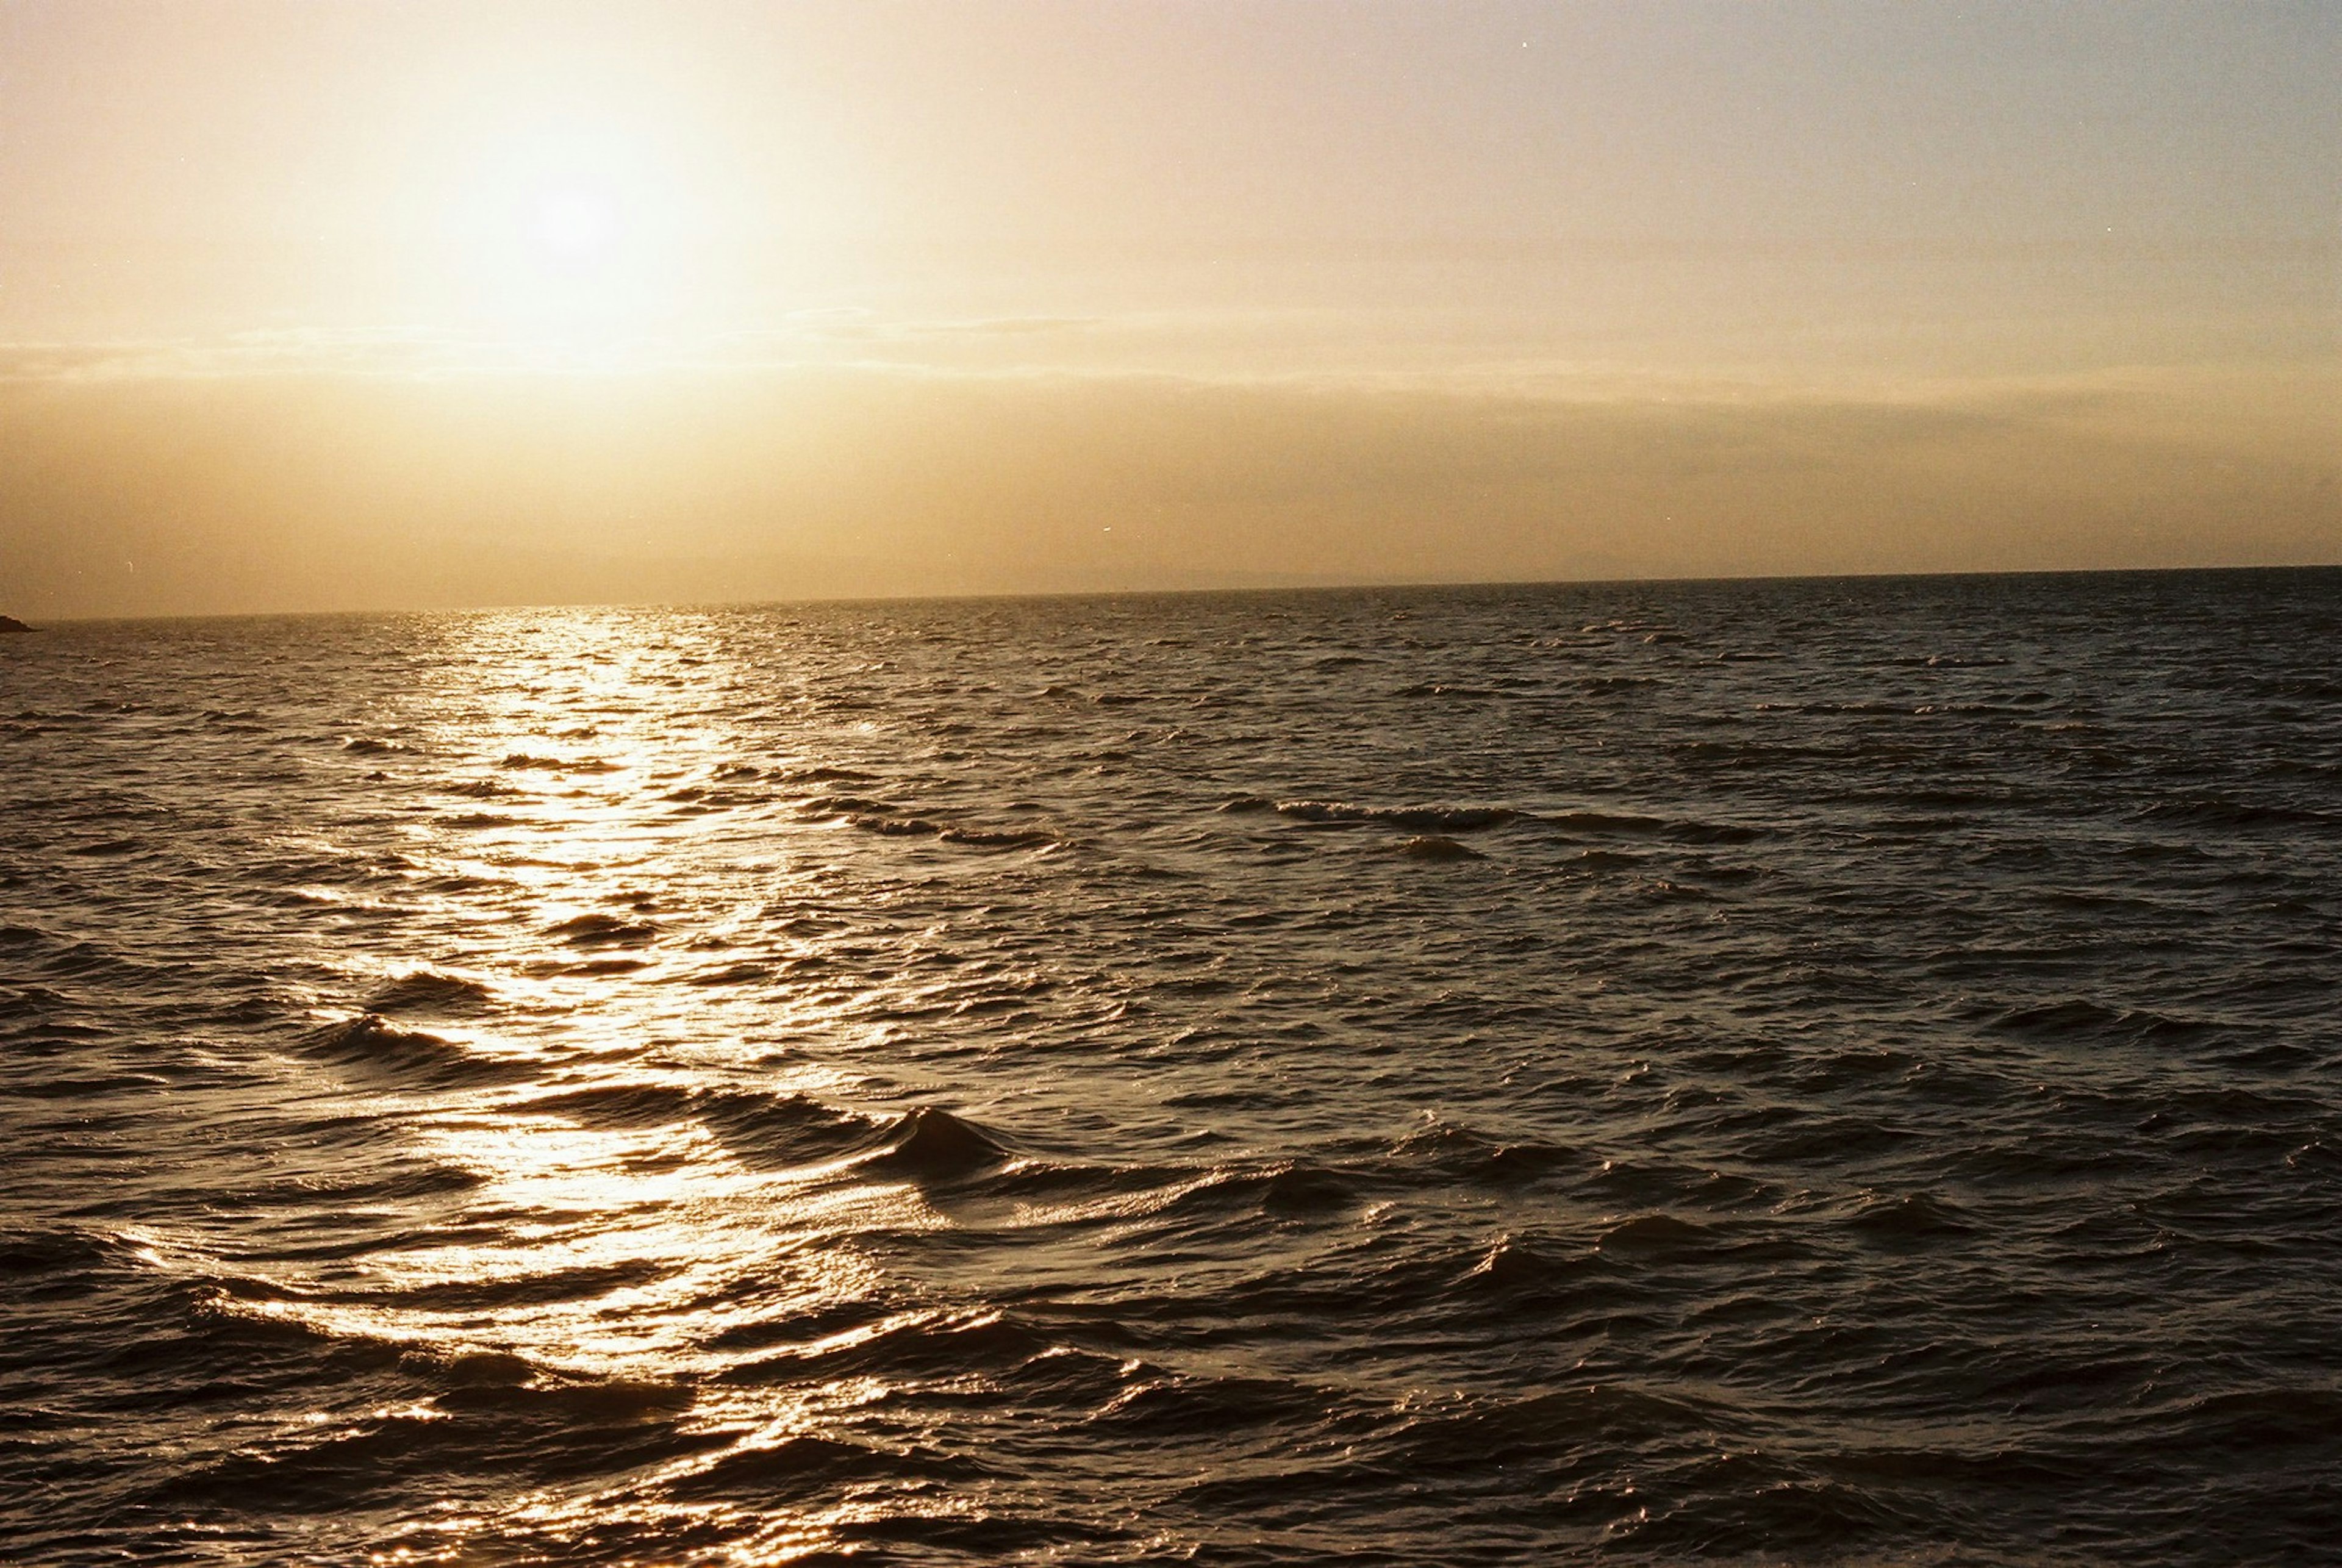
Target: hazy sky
x=308 y=306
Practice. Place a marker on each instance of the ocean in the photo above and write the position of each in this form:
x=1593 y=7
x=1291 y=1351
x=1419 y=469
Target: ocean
x=1787 y=1072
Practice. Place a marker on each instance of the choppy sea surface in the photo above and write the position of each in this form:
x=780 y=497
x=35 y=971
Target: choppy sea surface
x=1806 y=1071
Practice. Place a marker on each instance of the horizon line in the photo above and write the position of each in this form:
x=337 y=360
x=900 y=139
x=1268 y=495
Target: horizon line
x=1262 y=589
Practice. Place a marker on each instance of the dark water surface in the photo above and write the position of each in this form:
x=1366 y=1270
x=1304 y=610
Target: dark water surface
x=1812 y=1072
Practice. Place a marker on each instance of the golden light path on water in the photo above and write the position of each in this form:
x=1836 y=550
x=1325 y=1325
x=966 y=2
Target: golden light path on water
x=620 y=1256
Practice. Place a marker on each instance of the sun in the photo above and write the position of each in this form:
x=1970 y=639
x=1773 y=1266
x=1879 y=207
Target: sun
x=573 y=227
x=587 y=210
x=570 y=234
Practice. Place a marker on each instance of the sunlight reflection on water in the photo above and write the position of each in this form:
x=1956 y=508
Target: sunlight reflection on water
x=1459 y=1075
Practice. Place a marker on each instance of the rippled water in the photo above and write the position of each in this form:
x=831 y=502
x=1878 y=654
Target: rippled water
x=1809 y=1071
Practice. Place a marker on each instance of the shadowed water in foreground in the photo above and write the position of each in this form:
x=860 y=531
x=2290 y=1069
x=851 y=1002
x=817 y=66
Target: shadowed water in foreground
x=1811 y=1071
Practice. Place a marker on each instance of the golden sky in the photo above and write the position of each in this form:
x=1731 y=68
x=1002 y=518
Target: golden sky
x=318 y=306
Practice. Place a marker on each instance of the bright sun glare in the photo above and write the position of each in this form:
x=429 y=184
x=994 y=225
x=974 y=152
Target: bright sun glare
x=573 y=227
x=571 y=238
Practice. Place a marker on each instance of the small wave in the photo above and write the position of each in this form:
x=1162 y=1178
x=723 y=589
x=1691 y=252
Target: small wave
x=599 y=929
x=1689 y=831
x=1435 y=819
x=25 y=1252
x=587 y=967
x=1947 y=661
x=2213 y=812
x=106 y=848
x=1636 y=824
x=1286 y=1187
x=745 y=972
x=429 y=991
x=530 y=759
x=823 y=773
x=1619 y=1413
x=1911 y=1216
x=885 y=825
x=846 y=806
x=904 y=1346
x=490 y=1292
x=1164 y=1404
x=928 y=1144
x=2077 y=1016
x=1000 y=838
x=403 y=1181
x=76 y=1087
x=1656 y=1234
x=802 y=1467
x=1463 y=1153
x=769 y=1130
x=1509 y=1261
x=1625 y=823
x=371 y=1043
x=1432 y=847
x=894 y=826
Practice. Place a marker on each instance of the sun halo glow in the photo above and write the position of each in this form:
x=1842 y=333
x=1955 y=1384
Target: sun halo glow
x=573 y=227
x=570 y=236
